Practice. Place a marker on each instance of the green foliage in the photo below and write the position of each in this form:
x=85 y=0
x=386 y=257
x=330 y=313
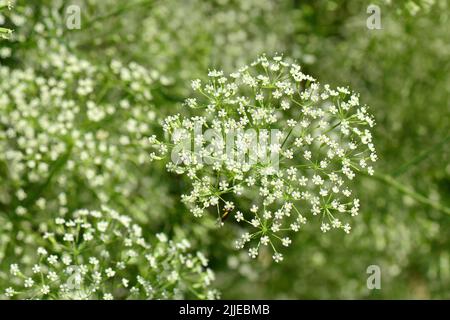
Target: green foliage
x=77 y=109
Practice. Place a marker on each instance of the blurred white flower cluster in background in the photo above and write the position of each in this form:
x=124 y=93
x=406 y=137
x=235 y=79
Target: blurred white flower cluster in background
x=104 y=255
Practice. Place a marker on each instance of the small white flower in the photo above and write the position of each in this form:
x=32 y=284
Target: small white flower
x=196 y=84
x=28 y=283
x=285 y=105
x=52 y=259
x=307 y=155
x=10 y=292
x=52 y=276
x=45 y=290
x=102 y=226
x=110 y=272
x=67 y=260
x=286 y=241
x=277 y=257
x=36 y=268
x=246 y=237
x=68 y=237
x=255 y=222
x=108 y=296
x=41 y=251
x=325 y=227
x=14 y=269
x=239 y=216
x=264 y=240
x=347 y=228
x=253 y=252
x=291 y=123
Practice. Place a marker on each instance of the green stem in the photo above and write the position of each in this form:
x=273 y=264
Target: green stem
x=287 y=137
x=422 y=156
x=115 y=13
x=389 y=180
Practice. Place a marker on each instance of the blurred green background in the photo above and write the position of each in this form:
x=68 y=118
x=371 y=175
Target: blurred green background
x=401 y=70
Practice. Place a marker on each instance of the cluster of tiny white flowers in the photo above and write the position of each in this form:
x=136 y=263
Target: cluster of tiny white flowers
x=104 y=255
x=70 y=120
x=324 y=142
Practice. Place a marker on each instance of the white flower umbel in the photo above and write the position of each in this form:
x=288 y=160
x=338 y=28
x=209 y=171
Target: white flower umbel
x=323 y=140
x=112 y=262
